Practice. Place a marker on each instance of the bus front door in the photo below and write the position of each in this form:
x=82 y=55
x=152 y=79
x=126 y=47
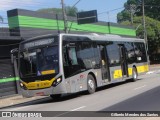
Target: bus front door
x=124 y=64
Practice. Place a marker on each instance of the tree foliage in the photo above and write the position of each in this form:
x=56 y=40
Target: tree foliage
x=50 y=10
x=126 y=13
x=70 y=11
x=153 y=32
x=152 y=8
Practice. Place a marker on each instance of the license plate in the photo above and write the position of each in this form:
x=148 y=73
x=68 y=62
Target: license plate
x=40 y=93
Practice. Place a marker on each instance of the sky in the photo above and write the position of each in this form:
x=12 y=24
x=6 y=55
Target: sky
x=105 y=8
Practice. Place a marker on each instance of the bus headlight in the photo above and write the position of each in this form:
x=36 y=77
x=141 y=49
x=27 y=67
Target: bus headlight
x=57 y=81
x=23 y=86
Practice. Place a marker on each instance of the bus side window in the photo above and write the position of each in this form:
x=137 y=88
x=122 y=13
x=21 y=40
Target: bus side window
x=69 y=56
x=97 y=56
x=85 y=55
x=72 y=56
x=113 y=54
x=140 y=52
x=65 y=57
x=130 y=52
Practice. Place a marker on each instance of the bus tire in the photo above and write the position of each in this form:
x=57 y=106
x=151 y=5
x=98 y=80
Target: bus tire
x=91 y=84
x=134 y=74
x=56 y=96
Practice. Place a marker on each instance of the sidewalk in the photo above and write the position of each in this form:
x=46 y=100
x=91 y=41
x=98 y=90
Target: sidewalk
x=154 y=67
x=17 y=99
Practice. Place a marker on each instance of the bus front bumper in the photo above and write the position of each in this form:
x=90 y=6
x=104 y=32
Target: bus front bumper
x=43 y=92
x=38 y=92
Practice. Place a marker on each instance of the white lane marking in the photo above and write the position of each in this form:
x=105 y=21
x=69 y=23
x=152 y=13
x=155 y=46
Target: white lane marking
x=70 y=111
x=78 y=108
x=140 y=87
x=150 y=72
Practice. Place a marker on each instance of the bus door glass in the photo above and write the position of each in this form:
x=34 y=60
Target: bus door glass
x=104 y=62
x=124 y=64
x=71 y=66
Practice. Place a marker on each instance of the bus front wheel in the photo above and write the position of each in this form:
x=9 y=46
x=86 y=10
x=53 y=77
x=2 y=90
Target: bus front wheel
x=91 y=84
x=134 y=74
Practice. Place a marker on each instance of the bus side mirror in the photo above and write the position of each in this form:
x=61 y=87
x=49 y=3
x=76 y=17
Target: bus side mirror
x=12 y=58
x=14 y=53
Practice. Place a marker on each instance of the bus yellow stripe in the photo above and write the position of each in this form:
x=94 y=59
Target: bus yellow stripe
x=39 y=84
x=117 y=74
x=130 y=71
x=140 y=69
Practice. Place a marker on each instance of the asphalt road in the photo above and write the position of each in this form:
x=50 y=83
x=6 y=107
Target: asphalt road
x=142 y=95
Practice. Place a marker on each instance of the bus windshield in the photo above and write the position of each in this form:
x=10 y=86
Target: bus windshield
x=39 y=61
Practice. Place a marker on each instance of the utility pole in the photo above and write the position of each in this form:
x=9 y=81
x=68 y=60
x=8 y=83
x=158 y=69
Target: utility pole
x=64 y=17
x=72 y=21
x=145 y=31
x=131 y=12
x=144 y=25
x=108 y=16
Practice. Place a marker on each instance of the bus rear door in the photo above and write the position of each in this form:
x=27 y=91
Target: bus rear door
x=124 y=64
x=104 y=63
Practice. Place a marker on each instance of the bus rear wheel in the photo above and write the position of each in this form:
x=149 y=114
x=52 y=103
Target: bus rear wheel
x=91 y=84
x=134 y=74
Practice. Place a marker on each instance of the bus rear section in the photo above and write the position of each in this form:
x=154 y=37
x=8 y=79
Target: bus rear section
x=127 y=59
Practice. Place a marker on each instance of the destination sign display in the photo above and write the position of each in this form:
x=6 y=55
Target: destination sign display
x=37 y=43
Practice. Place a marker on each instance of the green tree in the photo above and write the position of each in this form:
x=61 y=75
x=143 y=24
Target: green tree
x=70 y=11
x=153 y=32
x=123 y=16
x=152 y=8
x=129 y=6
x=51 y=10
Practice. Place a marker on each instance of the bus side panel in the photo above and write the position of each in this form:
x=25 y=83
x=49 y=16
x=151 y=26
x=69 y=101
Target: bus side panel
x=116 y=74
x=98 y=74
x=142 y=68
x=130 y=67
x=60 y=88
x=78 y=82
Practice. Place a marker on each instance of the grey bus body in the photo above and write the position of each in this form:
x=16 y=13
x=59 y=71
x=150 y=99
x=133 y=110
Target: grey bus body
x=105 y=58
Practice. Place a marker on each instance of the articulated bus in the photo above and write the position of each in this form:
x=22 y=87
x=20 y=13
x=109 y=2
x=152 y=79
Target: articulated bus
x=69 y=63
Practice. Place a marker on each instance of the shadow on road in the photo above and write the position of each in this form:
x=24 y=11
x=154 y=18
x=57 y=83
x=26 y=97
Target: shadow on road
x=147 y=101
